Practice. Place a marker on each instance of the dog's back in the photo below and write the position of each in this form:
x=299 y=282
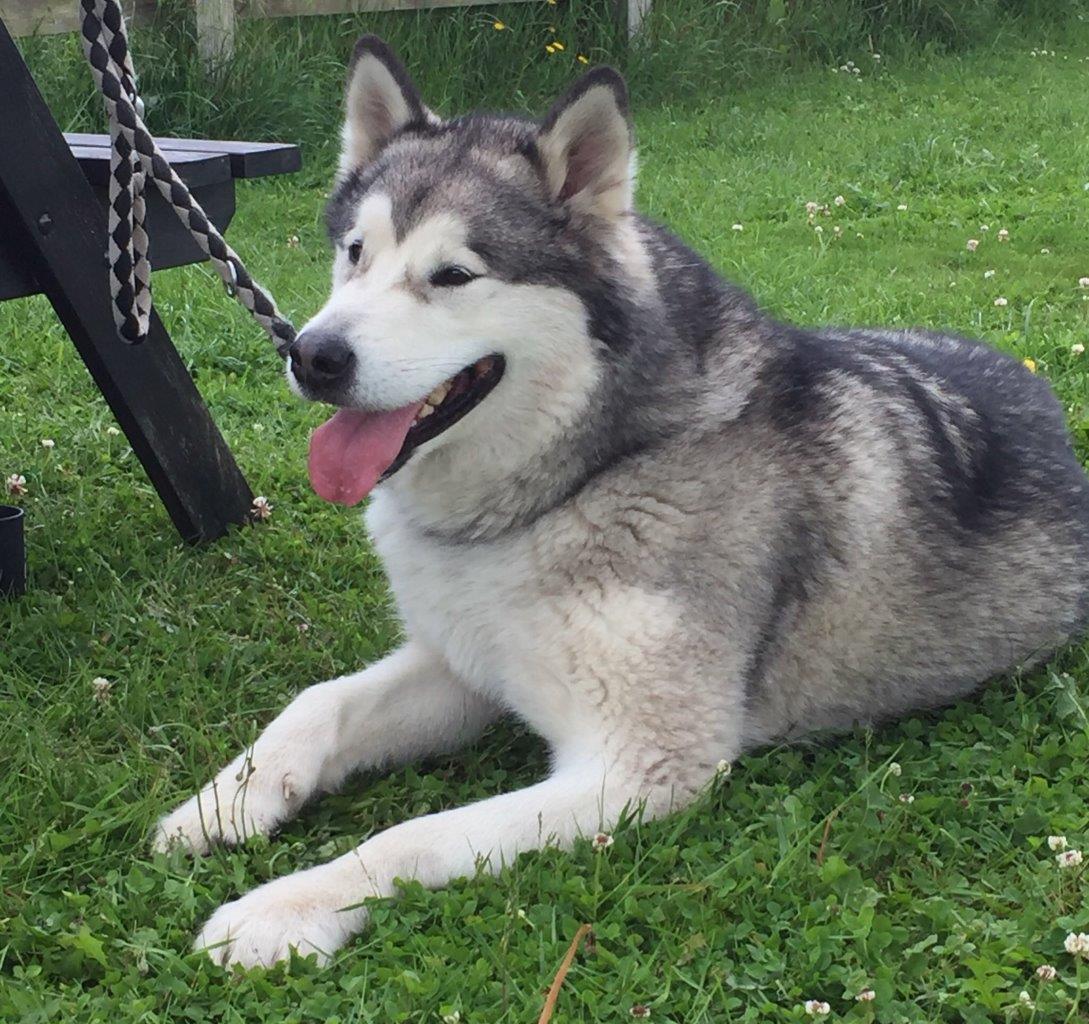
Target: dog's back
x=923 y=522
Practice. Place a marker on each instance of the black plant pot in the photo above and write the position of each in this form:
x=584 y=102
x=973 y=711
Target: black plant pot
x=12 y=552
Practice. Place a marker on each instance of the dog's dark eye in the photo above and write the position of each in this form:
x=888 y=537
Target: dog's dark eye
x=451 y=277
x=355 y=251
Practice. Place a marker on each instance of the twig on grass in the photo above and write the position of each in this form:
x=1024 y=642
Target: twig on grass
x=824 y=838
x=565 y=966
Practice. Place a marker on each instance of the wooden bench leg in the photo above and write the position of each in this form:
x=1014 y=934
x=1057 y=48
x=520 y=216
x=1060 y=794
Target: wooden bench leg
x=50 y=218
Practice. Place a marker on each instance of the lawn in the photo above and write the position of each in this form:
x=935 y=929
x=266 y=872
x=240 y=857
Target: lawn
x=912 y=860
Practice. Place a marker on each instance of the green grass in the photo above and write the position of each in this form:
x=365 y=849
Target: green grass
x=803 y=876
x=688 y=48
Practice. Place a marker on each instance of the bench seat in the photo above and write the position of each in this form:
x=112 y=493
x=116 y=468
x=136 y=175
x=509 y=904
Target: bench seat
x=209 y=167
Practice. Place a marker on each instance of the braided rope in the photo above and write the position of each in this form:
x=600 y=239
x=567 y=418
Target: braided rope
x=134 y=159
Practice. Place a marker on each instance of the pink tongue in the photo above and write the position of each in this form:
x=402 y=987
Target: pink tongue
x=352 y=450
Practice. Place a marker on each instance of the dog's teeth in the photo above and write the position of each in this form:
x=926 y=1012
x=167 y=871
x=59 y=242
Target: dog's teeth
x=426 y=411
x=436 y=397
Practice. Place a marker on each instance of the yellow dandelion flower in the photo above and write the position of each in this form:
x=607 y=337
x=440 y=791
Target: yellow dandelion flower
x=559 y=46
x=498 y=26
x=1030 y=364
x=552 y=2
x=583 y=60
x=550 y=48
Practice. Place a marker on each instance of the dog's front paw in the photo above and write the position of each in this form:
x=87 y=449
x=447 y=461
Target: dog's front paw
x=299 y=912
x=200 y=822
x=242 y=804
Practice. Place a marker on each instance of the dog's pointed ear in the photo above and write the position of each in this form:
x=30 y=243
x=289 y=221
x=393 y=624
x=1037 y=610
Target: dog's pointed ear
x=586 y=145
x=381 y=100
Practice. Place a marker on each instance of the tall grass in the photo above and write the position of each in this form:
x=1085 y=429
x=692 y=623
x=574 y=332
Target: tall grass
x=285 y=79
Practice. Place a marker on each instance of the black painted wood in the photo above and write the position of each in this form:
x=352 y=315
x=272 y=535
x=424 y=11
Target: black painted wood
x=193 y=167
x=207 y=167
x=171 y=245
x=248 y=159
x=49 y=216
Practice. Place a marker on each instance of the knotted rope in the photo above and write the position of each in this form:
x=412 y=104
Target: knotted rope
x=134 y=159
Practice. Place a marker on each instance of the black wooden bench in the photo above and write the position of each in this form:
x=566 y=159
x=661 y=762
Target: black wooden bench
x=208 y=167
x=53 y=240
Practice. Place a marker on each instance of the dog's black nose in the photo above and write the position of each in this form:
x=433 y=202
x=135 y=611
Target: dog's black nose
x=320 y=359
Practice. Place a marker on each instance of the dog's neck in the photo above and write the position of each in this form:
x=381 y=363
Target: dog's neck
x=580 y=417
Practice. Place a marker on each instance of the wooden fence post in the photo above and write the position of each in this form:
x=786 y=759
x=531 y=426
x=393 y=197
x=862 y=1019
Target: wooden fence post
x=637 y=13
x=215 y=31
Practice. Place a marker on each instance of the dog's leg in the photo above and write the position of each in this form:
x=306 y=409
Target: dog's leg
x=405 y=706
x=318 y=910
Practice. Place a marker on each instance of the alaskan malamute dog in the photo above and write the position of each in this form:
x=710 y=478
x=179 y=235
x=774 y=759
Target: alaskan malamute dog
x=618 y=501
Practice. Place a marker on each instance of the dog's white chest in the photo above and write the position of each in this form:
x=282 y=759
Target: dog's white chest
x=478 y=606
x=543 y=622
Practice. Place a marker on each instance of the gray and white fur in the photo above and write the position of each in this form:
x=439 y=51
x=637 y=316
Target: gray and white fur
x=676 y=530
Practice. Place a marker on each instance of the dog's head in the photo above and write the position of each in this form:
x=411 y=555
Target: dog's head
x=475 y=280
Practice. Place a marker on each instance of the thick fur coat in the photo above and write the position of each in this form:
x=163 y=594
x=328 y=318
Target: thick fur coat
x=674 y=530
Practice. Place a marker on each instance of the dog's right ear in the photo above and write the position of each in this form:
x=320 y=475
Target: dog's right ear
x=381 y=101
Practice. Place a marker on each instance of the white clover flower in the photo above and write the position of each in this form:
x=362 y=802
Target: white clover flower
x=601 y=841
x=1068 y=858
x=1025 y=1000
x=837 y=231
x=902 y=207
x=876 y=56
x=1045 y=972
x=1083 y=282
x=812 y=209
x=112 y=431
x=988 y=274
x=907 y=798
x=16 y=484
x=840 y=201
x=1077 y=348
x=1056 y=843
x=738 y=227
x=972 y=244
x=895 y=769
x=1077 y=945
x=261 y=508
x=1003 y=235
x=48 y=442
x=867 y=995
x=985 y=227
x=1001 y=301
x=451 y=1018
x=724 y=769
x=816 y=1008
x=100 y=688
x=819 y=229
x=639 y=1011
x=1045 y=252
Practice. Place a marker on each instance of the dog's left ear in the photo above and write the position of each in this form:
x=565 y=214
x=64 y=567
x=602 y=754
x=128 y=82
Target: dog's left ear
x=586 y=145
x=381 y=100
